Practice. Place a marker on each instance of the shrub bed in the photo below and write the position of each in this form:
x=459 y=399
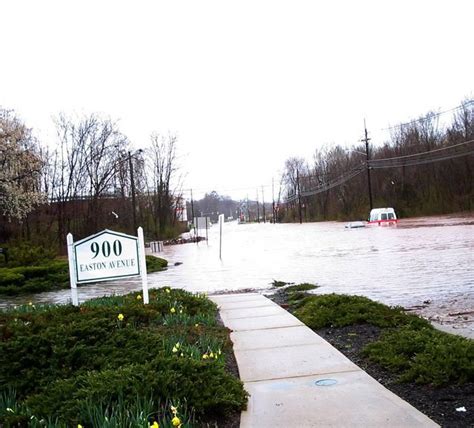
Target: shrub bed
x=115 y=358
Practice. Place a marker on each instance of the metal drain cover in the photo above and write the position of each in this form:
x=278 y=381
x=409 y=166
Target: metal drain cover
x=325 y=382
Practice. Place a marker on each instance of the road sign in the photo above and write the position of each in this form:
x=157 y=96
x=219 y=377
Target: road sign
x=106 y=256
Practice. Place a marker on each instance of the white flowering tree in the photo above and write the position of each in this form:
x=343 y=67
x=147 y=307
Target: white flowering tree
x=20 y=168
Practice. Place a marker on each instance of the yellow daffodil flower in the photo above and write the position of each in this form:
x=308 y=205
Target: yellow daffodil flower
x=196 y=325
x=172 y=310
x=182 y=355
x=155 y=425
x=79 y=426
x=120 y=317
x=176 y=421
x=205 y=357
x=180 y=311
x=10 y=410
x=219 y=351
x=168 y=290
x=175 y=349
x=30 y=303
x=174 y=409
x=177 y=345
x=211 y=355
x=139 y=297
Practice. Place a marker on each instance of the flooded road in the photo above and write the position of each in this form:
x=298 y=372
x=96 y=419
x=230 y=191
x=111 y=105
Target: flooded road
x=425 y=264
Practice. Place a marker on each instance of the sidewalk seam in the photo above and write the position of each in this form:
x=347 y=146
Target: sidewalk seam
x=301 y=376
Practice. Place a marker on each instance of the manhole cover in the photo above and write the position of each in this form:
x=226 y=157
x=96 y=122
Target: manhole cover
x=325 y=382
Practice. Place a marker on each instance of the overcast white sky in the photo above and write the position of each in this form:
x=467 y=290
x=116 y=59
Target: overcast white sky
x=244 y=84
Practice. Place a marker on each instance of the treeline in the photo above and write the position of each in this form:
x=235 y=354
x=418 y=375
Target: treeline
x=423 y=169
x=213 y=204
x=90 y=180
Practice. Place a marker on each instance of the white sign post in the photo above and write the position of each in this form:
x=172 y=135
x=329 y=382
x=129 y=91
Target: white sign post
x=105 y=256
x=221 y=222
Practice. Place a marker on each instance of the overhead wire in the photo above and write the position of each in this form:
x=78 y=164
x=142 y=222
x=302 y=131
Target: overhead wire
x=429 y=116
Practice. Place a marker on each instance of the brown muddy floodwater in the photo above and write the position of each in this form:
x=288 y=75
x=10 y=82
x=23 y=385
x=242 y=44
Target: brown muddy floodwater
x=423 y=264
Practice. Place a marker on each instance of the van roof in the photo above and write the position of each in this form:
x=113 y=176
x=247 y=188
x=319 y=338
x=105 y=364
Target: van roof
x=380 y=210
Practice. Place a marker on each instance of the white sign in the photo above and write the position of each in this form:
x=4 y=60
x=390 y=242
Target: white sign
x=105 y=256
x=202 y=222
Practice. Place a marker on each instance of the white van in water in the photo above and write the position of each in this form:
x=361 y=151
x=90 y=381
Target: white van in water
x=382 y=217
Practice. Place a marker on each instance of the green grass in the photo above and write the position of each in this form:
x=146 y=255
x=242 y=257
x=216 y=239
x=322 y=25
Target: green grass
x=71 y=365
x=409 y=346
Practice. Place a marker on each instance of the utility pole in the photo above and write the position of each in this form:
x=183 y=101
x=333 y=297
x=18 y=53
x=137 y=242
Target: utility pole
x=192 y=207
x=258 y=210
x=273 y=201
x=299 y=195
x=367 y=155
x=263 y=205
x=132 y=184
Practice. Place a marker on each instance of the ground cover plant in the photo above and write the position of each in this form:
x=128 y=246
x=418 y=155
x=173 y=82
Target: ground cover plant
x=115 y=359
x=432 y=370
x=46 y=274
x=155 y=264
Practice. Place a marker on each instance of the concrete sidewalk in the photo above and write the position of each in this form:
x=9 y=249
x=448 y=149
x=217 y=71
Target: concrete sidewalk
x=297 y=379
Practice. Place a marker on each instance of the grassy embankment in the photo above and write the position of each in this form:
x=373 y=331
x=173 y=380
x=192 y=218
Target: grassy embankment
x=46 y=274
x=116 y=362
x=408 y=346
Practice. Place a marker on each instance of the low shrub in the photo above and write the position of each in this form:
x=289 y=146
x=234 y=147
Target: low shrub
x=59 y=359
x=300 y=287
x=30 y=279
x=26 y=253
x=155 y=264
x=51 y=275
x=425 y=356
x=338 y=310
x=277 y=283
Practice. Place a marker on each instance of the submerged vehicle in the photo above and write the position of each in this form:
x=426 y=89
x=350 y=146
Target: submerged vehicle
x=382 y=217
x=355 y=224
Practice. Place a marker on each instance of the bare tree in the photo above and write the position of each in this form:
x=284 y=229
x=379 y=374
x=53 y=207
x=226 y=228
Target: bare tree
x=164 y=183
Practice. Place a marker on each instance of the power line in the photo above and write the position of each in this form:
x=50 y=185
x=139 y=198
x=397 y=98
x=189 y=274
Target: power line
x=430 y=116
x=422 y=153
x=436 y=155
x=324 y=187
x=424 y=161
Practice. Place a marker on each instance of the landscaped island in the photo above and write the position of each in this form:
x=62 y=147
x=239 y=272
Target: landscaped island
x=115 y=362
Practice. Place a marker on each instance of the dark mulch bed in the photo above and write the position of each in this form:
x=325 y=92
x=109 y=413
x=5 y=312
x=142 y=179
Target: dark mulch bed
x=437 y=403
